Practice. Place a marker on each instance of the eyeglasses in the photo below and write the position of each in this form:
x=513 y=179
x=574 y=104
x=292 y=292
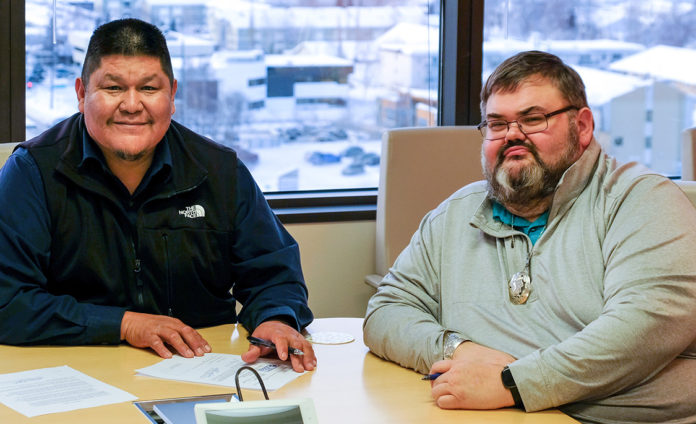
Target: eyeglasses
x=528 y=124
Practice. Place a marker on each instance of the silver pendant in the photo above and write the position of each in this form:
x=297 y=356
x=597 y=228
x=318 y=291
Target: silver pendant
x=519 y=287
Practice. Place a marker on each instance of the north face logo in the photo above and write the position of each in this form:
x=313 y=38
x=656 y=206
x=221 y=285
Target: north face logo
x=195 y=211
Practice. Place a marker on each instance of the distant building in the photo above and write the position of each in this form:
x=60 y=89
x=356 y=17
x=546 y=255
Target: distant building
x=327 y=3
x=669 y=99
x=618 y=103
x=249 y=82
x=187 y=16
x=307 y=87
x=409 y=57
x=108 y=10
x=593 y=53
x=408 y=72
x=241 y=25
x=590 y=53
x=411 y=108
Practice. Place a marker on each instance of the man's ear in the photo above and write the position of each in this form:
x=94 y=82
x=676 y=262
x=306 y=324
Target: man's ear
x=585 y=124
x=80 y=91
x=174 y=87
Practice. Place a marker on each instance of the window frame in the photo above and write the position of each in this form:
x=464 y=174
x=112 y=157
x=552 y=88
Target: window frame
x=461 y=51
x=12 y=73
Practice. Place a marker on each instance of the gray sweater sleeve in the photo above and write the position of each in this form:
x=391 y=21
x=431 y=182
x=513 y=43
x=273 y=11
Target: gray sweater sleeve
x=402 y=322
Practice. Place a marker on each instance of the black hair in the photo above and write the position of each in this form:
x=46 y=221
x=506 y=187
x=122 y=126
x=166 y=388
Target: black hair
x=127 y=37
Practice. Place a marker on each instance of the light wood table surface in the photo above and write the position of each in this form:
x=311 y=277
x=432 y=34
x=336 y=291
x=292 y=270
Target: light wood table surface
x=350 y=384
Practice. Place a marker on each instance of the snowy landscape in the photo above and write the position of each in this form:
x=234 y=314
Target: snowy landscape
x=304 y=89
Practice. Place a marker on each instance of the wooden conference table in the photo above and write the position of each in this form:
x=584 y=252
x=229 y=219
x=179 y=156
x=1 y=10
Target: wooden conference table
x=350 y=384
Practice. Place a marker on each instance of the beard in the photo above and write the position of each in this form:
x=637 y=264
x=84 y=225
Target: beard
x=130 y=157
x=535 y=181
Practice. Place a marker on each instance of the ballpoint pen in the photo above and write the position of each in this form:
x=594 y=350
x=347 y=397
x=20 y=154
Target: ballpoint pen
x=267 y=343
x=432 y=376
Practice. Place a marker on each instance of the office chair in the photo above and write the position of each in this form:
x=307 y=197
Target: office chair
x=689 y=188
x=420 y=167
x=688 y=179
x=6 y=151
x=689 y=154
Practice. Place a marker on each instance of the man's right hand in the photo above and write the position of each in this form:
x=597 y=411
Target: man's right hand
x=471 y=379
x=158 y=331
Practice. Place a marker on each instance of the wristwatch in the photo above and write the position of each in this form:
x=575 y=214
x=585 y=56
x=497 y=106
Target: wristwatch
x=452 y=342
x=509 y=383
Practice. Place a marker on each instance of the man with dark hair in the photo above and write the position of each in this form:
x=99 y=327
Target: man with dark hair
x=123 y=225
x=563 y=280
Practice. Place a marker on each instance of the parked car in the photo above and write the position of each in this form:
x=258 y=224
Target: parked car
x=292 y=133
x=353 y=169
x=353 y=152
x=339 y=134
x=321 y=158
x=369 y=159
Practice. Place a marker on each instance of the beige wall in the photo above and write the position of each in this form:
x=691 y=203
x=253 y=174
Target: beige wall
x=336 y=257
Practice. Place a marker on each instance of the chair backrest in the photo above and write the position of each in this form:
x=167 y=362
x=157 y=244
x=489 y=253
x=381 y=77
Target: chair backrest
x=689 y=188
x=689 y=154
x=6 y=151
x=420 y=167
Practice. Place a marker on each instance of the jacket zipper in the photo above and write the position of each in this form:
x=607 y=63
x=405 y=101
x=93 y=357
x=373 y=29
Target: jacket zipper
x=165 y=239
x=138 y=280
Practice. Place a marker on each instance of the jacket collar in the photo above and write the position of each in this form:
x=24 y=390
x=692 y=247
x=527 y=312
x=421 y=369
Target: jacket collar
x=187 y=172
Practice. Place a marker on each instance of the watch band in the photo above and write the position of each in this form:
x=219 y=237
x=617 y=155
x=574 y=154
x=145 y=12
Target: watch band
x=509 y=383
x=451 y=343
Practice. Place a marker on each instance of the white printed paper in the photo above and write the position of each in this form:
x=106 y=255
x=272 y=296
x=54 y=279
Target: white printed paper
x=220 y=368
x=57 y=389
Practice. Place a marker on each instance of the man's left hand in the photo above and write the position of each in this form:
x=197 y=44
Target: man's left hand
x=472 y=379
x=282 y=335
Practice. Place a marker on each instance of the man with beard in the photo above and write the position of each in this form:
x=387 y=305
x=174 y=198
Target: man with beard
x=563 y=280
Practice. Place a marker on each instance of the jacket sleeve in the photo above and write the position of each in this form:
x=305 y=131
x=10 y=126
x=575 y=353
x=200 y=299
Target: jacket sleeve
x=402 y=322
x=267 y=274
x=648 y=315
x=29 y=312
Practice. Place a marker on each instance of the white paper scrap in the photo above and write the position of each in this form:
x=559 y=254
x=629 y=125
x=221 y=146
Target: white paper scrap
x=220 y=368
x=57 y=389
x=330 y=337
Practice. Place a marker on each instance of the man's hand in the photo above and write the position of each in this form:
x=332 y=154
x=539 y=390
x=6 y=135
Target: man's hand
x=471 y=380
x=282 y=335
x=156 y=331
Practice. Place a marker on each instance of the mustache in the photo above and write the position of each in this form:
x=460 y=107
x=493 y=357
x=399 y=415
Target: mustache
x=514 y=143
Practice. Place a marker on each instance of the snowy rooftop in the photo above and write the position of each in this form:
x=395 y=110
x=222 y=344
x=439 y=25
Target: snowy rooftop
x=352 y=50
x=603 y=86
x=661 y=62
x=180 y=44
x=279 y=60
x=410 y=38
x=576 y=46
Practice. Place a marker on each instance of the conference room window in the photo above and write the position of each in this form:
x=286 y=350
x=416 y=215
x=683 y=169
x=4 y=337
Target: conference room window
x=278 y=80
x=635 y=56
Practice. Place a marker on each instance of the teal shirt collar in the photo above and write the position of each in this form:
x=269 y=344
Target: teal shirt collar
x=532 y=229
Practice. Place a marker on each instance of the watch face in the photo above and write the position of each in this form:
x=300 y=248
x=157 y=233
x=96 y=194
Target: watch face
x=506 y=376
